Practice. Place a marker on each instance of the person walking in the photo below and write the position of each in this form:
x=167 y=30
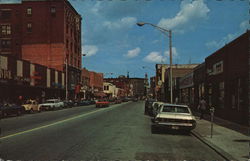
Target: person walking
x=202 y=107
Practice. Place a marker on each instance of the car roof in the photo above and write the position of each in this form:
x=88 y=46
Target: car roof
x=176 y=105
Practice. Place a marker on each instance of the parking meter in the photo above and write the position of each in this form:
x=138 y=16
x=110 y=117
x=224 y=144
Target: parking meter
x=212 y=119
x=212 y=110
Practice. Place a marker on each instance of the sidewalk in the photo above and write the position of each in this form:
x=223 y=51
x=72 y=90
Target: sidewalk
x=226 y=141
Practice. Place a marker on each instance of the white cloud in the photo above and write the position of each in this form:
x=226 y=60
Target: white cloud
x=229 y=37
x=190 y=14
x=89 y=50
x=245 y=25
x=222 y=42
x=155 y=57
x=174 y=53
x=133 y=53
x=121 y=23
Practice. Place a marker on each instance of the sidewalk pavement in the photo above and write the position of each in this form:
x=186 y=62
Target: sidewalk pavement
x=230 y=140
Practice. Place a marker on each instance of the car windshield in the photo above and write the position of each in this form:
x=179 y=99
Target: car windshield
x=175 y=109
x=49 y=101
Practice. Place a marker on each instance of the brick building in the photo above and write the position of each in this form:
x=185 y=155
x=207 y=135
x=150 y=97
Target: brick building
x=227 y=80
x=199 y=83
x=46 y=32
x=96 y=84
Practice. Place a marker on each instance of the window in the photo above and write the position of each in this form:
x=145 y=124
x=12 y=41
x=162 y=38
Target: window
x=29 y=27
x=218 y=68
x=53 y=11
x=5 y=29
x=29 y=11
x=67 y=43
x=6 y=44
x=5 y=14
x=221 y=94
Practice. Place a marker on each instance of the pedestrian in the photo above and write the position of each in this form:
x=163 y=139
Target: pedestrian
x=202 y=107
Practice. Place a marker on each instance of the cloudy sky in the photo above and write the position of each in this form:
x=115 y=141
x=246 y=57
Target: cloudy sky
x=114 y=43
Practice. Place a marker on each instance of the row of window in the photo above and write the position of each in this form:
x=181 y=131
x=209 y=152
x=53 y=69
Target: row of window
x=5 y=44
x=6 y=14
x=52 y=11
x=6 y=30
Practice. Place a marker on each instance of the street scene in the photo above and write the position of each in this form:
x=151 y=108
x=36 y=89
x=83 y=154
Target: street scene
x=124 y=80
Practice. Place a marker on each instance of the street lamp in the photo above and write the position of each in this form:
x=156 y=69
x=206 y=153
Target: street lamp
x=170 y=51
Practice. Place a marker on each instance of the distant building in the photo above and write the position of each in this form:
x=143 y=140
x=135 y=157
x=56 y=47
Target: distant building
x=131 y=86
x=110 y=90
x=85 y=91
x=96 y=84
x=163 y=87
x=152 y=87
x=46 y=32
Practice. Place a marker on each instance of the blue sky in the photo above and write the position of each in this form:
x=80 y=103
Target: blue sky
x=114 y=43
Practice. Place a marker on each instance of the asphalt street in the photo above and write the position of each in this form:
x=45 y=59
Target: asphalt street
x=119 y=132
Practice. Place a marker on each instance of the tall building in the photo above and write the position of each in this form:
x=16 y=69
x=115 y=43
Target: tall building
x=46 y=32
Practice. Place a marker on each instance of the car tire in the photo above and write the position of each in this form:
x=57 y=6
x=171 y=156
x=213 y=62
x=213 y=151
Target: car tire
x=19 y=112
x=31 y=110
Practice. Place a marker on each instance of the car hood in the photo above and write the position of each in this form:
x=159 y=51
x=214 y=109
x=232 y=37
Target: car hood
x=176 y=116
x=46 y=104
x=26 y=105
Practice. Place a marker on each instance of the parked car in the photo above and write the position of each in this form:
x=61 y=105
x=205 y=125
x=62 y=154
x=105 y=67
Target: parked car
x=31 y=106
x=148 y=107
x=68 y=104
x=11 y=109
x=155 y=108
x=51 y=104
x=118 y=101
x=176 y=117
x=102 y=103
x=83 y=103
x=134 y=99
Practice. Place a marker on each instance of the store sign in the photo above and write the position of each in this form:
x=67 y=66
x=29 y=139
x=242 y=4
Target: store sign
x=22 y=79
x=5 y=74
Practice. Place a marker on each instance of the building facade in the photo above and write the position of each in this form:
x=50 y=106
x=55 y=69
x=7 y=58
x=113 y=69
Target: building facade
x=31 y=81
x=178 y=71
x=96 y=84
x=227 y=80
x=46 y=32
x=186 y=85
x=199 y=84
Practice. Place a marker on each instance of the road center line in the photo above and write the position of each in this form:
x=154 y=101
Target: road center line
x=56 y=123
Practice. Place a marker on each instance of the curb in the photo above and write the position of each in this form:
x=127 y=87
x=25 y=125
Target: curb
x=218 y=150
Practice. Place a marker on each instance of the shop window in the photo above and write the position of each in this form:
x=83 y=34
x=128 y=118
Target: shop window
x=29 y=11
x=6 y=29
x=29 y=27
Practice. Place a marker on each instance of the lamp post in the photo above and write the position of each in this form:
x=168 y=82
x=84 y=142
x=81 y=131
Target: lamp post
x=170 y=52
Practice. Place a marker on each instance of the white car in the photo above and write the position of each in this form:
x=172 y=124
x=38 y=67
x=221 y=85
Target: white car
x=51 y=104
x=176 y=117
